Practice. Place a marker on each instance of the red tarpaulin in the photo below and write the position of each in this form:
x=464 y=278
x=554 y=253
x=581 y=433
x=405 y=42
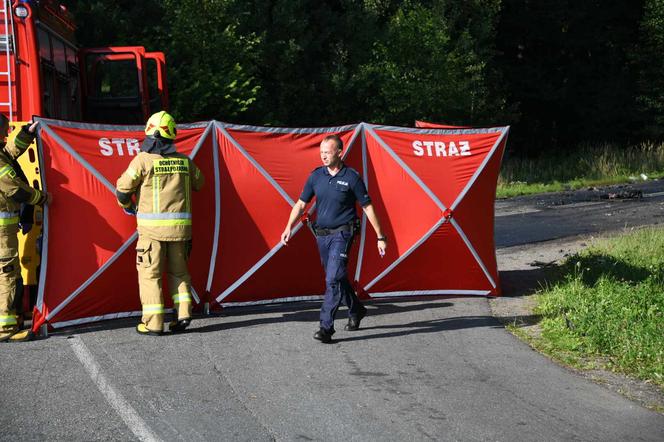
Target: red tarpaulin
x=433 y=190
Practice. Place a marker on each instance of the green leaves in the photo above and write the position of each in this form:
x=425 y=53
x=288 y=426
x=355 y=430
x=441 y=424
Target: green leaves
x=651 y=65
x=305 y=62
x=561 y=72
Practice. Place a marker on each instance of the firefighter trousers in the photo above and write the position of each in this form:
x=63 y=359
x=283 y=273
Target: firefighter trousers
x=9 y=273
x=152 y=258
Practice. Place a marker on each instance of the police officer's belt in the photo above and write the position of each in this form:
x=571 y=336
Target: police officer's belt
x=324 y=232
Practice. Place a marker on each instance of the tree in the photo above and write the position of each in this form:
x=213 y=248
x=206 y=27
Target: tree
x=567 y=67
x=432 y=63
x=307 y=52
x=651 y=69
x=117 y=23
x=211 y=65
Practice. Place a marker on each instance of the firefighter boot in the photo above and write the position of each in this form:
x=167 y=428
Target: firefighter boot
x=5 y=335
x=22 y=336
x=141 y=329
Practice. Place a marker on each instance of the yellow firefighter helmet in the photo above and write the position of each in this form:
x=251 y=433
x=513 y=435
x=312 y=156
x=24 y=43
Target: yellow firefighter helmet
x=162 y=124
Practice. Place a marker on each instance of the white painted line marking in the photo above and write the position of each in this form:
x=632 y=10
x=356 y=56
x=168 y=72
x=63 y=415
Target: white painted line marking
x=517 y=211
x=115 y=399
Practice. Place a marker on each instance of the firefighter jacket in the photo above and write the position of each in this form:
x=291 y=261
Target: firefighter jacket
x=162 y=185
x=14 y=191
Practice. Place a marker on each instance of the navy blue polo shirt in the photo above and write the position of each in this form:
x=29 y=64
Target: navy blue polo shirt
x=335 y=195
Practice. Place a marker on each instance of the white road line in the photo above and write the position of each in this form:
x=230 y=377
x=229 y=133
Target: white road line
x=516 y=211
x=115 y=399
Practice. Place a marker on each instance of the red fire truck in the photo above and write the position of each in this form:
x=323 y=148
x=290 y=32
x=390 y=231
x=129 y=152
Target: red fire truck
x=43 y=72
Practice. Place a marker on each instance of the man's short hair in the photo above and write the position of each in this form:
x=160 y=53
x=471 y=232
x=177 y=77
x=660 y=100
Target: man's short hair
x=336 y=139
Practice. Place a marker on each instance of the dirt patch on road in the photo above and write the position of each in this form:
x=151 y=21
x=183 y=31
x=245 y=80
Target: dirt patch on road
x=526 y=269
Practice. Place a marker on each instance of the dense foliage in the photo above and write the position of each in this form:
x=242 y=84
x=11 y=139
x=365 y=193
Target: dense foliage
x=561 y=72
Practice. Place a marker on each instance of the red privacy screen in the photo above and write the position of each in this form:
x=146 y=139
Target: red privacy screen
x=433 y=190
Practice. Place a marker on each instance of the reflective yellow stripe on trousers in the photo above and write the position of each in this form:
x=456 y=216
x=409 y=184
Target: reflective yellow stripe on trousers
x=8 y=218
x=8 y=320
x=181 y=297
x=153 y=309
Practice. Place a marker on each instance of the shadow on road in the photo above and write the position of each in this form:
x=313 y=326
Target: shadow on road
x=234 y=318
x=310 y=313
x=591 y=267
x=433 y=326
x=516 y=283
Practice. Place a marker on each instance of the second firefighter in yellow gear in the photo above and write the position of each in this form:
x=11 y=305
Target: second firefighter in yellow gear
x=157 y=187
x=13 y=192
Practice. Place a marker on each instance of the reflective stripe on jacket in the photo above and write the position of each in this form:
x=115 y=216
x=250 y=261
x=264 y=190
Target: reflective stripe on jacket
x=162 y=185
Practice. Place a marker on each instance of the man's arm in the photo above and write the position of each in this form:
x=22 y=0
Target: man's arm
x=18 y=191
x=295 y=214
x=13 y=182
x=373 y=219
x=127 y=185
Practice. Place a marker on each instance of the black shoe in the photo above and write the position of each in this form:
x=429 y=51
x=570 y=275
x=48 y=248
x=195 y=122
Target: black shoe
x=354 y=323
x=179 y=325
x=323 y=336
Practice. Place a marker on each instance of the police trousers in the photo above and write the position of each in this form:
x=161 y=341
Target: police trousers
x=9 y=274
x=152 y=259
x=334 y=249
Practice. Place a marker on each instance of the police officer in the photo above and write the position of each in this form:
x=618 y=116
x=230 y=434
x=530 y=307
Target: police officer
x=160 y=180
x=337 y=188
x=14 y=192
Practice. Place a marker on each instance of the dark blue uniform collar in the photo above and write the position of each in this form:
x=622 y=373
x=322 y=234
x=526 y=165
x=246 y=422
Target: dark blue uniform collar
x=342 y=170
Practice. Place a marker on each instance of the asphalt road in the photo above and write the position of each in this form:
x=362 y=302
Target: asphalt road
x=430 y=369
x=531 y=219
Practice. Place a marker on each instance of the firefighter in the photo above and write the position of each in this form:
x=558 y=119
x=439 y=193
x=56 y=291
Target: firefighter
x=156 y=187
x=14 y=192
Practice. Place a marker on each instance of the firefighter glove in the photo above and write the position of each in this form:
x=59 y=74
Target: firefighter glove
x=131 y=210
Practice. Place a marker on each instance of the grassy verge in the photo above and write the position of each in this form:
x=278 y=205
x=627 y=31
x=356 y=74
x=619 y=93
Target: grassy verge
x=583 y=167
x=608 y=307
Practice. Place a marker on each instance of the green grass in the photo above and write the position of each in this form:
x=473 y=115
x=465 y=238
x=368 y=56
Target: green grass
x=608 y=305
x=582 y=167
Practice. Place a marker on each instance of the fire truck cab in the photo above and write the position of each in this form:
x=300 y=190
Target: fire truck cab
x=43 y=72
